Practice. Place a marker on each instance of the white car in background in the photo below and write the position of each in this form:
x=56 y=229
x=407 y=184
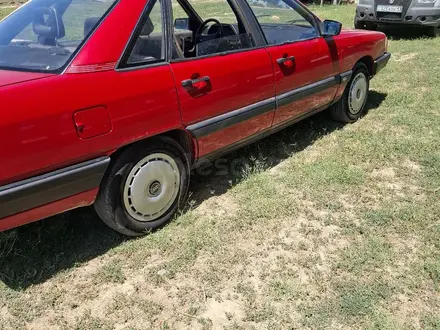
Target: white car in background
x=423 y=14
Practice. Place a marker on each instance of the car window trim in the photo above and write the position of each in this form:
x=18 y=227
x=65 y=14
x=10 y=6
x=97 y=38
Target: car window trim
x=231 y=52
x=247 y=24
x=237 y=10
x=146 y=65
x=284 y=43
x=257 y=32
x=317 y=20
x=313 y=17
x=86 y=40
x=187 y=8
x=61 y=70
x=122 y=64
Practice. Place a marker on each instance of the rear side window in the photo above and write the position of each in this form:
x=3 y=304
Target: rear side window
x=44 y=34
x=147 y=45
x=283 y=21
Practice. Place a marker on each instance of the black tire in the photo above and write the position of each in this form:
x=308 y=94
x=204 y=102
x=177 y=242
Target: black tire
x=358 y=25
x=110 y=205
x=339 y=111
x=432 y=31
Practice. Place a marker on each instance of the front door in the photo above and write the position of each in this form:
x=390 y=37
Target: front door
x=305 y=64
x=225 y=85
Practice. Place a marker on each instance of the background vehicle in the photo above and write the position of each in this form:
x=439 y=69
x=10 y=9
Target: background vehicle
x=96 y=111
x=424 y=14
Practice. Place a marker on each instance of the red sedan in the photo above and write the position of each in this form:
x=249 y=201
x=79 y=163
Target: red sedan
x=113 y=102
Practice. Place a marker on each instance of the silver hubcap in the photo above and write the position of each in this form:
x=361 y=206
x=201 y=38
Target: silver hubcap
x=357 y=94
x=151 y=187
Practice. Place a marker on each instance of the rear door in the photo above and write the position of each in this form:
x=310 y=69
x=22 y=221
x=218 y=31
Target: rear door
x=305 y=64
x=225 y=84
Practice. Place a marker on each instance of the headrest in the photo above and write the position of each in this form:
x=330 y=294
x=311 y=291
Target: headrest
x=89 y=24
x=48 y=24
x=148 y=28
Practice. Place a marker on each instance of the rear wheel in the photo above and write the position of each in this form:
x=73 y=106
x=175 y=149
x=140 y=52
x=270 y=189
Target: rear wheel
x=352 y=103
x=432 y=31
x=144 y=187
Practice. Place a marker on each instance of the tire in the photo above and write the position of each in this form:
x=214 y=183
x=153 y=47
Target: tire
x=351 y=105
x=432 y=31
x=358 y=25
x=144 y=187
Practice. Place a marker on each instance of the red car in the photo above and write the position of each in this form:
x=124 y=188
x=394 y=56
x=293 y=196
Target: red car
x=113 y=102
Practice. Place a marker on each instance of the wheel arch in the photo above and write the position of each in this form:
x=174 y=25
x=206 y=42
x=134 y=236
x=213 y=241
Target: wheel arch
x=369 y=63
x=181 y=136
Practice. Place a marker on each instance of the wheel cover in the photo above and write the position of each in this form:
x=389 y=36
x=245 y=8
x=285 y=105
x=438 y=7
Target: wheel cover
x=151 y=187
x=357 y=94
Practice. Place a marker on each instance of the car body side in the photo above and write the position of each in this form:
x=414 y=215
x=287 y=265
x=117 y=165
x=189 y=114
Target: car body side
x=40 y=135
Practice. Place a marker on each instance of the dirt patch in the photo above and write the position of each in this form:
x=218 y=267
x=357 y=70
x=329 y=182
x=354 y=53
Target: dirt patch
x=404 y=58
x=384 y=173
x=413 y=166
x=221 y=312
x=223 y=205
x=387 y=179
x=409 y=310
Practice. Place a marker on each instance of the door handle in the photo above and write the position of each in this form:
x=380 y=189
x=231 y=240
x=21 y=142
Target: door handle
x=198 y=83
x=287 y=61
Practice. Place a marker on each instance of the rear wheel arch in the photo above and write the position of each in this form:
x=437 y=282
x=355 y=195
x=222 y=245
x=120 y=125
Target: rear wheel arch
x=181 y=136
x=186 y=141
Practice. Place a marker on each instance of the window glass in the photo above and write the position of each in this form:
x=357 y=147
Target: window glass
x=43 y=34
x=219 y=9
x=219 y=31
x=149 y=45
x=283 y=21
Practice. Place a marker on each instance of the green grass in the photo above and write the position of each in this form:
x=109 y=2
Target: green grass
x=5 y=11
x=322 y=226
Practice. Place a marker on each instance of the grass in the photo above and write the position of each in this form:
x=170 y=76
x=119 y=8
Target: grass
x=5 y=11
x=320 y=226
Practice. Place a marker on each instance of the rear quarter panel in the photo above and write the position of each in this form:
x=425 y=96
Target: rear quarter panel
x=37 y=129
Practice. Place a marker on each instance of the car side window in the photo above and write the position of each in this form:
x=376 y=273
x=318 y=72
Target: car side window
x=208 y=28
x=284 y=21
x=148 y=44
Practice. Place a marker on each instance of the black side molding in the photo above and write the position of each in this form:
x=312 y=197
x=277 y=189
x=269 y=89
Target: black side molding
x=255 y=137
x=50 y=187
x=381 y=62
x=346 y=76
x=305 y=91
x=217 y=123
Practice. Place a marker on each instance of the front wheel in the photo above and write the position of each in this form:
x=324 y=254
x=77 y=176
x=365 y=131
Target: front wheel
x=144 y=187
x=352 y=103
x=432 y=31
